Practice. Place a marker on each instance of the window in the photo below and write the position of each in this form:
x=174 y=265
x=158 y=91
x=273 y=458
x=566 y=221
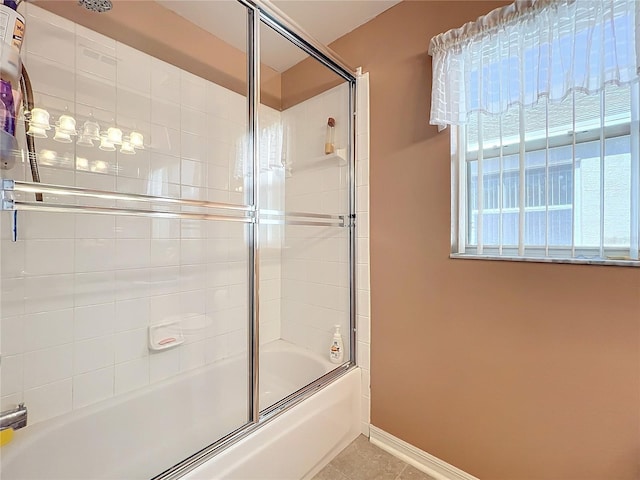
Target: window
x=545 y=130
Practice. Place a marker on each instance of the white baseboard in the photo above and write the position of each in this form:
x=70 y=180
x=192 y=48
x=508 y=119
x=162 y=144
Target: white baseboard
x=438 y=469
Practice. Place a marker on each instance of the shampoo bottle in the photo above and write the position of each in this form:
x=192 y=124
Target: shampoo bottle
x=336 y=352
x=330 y=138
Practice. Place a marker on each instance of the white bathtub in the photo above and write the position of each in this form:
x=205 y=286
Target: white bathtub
x=139 y=435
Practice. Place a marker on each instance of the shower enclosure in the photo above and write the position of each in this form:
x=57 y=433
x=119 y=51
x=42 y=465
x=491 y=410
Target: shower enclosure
x=179 y=282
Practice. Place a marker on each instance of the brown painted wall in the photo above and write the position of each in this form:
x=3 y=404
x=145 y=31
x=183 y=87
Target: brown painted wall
x=509 y=371
x=156 y=30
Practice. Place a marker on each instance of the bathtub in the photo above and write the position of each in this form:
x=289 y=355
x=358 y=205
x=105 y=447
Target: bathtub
x=141 y=434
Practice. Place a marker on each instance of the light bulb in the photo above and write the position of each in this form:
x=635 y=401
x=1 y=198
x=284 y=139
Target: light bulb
x=67 y=124
x=127 y=148
x=137 y=140
x=82 y=163
x=61 y=136
x=91 y=130
x=47 y=157
x=84 y=141
x=36 y=132
x=114 y=135
x=106 y=145
x=99 y=166
x=39 y=118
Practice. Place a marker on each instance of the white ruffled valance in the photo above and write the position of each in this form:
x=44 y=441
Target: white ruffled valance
x=531 y=49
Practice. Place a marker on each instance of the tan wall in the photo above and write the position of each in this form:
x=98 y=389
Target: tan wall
x=153 y=29
x=510 y=371
x=306 y=80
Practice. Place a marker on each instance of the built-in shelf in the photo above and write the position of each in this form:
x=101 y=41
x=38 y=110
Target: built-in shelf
x=338 y=158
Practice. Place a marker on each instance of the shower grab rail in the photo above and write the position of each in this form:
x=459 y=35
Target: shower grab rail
x=315 y=218
x=18 y=205
x=223 y=211
x=32 y=187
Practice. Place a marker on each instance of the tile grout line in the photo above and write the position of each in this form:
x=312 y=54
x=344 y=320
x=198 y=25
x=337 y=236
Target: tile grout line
x=401 y=471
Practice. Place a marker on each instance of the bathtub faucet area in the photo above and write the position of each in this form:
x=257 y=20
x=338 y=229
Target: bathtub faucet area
x=15 y=418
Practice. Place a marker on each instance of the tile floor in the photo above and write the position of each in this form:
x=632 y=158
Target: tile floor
x=362 y=460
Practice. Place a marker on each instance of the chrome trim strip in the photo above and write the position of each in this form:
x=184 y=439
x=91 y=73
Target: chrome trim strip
x=279 y=22
x=18 y=205
x=200 y=457
x=283 y=24
x=31 y=187
x=351 y=181
x=309 y=389
x=273 y=11
x=281 y=213
x=299 y=222
x=253 y=98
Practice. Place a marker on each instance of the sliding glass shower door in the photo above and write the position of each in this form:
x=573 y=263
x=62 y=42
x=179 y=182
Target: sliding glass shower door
x=125 y=292
x=304 y=207
x=184 y=263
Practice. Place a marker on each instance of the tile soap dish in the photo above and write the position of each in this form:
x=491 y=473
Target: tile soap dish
x=164 y=336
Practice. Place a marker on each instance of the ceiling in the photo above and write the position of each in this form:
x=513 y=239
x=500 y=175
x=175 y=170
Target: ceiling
x=323 y=20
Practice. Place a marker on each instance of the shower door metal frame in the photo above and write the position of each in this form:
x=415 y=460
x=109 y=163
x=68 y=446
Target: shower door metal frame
x=253 y=100
x=261 y=11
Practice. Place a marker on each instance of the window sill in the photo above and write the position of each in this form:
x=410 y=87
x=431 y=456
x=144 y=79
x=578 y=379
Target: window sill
x=576 y=261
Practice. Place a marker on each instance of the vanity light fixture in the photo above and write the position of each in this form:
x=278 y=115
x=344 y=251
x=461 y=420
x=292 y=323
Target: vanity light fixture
x=47 y=157
x=62 y=136
x=65 y=128
x=91 y=130
x=99 y=167
x=37 y=132
x=38 y=123
x=82 y=163
x=67 y=125
x=114 y=135
x=137 y=140
x=126 y=147
x=85 y=141
x=106 y=145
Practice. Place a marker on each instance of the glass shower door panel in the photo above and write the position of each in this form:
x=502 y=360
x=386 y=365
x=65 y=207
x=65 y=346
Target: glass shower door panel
x=132 y=350
x=126 y=333
x=304 y=211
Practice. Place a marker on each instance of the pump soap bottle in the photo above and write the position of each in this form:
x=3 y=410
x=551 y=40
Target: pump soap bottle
x=336 y=352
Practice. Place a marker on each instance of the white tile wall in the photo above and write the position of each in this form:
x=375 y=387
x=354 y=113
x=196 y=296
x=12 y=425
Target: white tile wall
x=315 y=269
x=78 y=292
x=49 y=400
x=92 y=387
